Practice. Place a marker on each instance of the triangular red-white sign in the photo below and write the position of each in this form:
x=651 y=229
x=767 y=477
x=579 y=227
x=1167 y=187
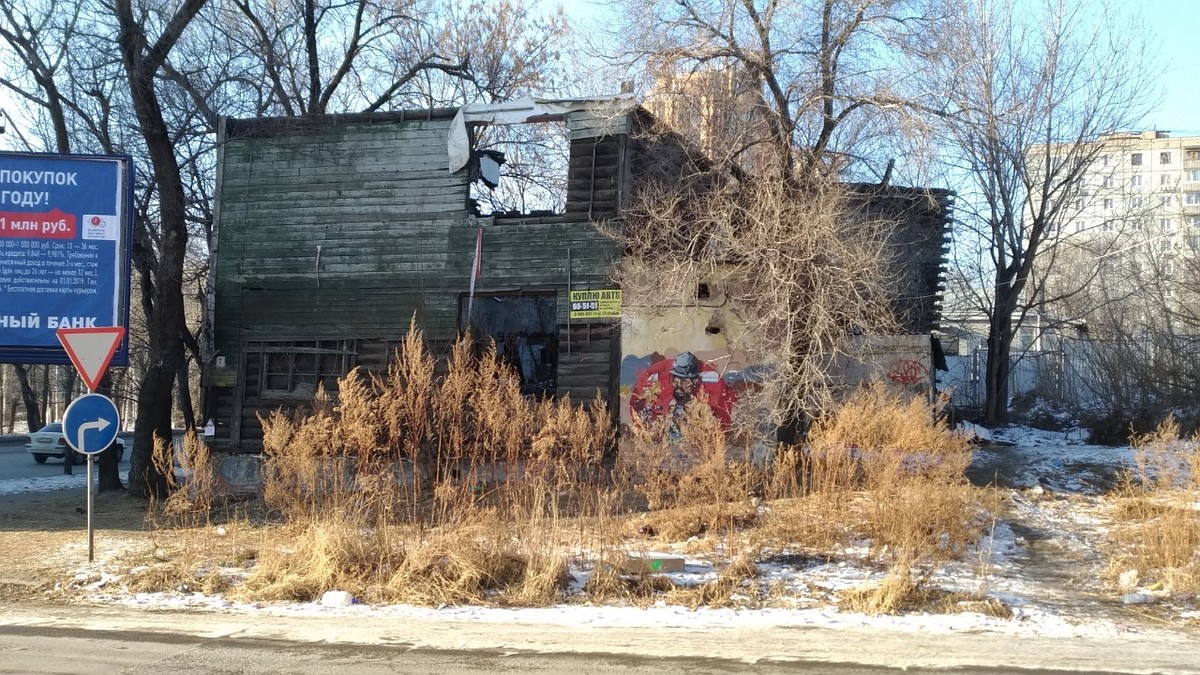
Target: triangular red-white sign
x=90 y=350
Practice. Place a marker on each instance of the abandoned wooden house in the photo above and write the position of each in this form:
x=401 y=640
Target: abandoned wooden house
x=333 y=233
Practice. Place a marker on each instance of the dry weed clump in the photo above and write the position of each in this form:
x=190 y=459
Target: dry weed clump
x=909 y=471
x=736 y=585
x=190 y=503
x=1159 y=508
x=427 y=488
x=693 y=484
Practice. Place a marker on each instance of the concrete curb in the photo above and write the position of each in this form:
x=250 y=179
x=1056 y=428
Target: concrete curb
x=1141 y=651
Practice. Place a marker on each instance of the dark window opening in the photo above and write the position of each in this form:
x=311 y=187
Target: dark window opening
x=703 y=292
x=525 y=330
x=519 y=169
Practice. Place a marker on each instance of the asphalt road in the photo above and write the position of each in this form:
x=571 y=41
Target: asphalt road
x=40 y=649
x=16 y=463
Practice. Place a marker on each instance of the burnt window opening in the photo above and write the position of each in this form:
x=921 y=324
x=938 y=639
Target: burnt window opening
x=703 y=292
x=525 y=330
x=296 y=368
x=519 y=169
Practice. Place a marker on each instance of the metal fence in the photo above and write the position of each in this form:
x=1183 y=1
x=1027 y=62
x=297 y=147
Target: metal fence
x=1064 y=375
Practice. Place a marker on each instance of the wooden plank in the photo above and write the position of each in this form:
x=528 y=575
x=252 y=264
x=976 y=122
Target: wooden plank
x=270 y=178
x=238 y=228
x=342 y=182
x=608 y=150
x=400 y=197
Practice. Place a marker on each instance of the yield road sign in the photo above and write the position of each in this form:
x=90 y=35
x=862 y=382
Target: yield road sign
x=91 y=349
x=90 y=423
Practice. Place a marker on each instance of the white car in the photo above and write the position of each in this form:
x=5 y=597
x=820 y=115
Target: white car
x=49 y=442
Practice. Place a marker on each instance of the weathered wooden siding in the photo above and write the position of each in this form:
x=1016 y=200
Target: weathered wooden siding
x=348 y=230
x=917 y=245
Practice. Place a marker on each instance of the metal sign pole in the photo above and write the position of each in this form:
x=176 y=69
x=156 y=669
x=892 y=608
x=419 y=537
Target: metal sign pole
x=91 y=350
x=91 y=539
x=91 y=532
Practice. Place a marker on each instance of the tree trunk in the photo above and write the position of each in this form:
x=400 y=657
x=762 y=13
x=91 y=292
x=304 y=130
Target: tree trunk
x=999 y=342
x=44 y=405
x=33 y=417
x=185 y=396
x=154 y=406
x=108 y=463
x=109 y=471
x=165 y=323
x=995 y=405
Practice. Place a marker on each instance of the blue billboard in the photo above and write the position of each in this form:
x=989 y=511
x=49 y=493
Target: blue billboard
x=66 y=223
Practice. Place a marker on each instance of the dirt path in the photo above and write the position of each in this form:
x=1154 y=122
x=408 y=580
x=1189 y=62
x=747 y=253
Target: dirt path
x=1059 y=559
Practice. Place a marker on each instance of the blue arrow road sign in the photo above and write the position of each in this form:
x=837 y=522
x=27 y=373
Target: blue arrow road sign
x=90 y=423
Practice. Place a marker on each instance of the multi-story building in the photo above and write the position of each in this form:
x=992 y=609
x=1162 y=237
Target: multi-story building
x=1145 y=186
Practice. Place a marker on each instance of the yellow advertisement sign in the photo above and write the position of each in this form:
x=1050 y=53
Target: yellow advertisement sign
x=596 y=304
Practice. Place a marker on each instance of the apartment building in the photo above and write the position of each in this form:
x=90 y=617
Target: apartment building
x=1144 y=186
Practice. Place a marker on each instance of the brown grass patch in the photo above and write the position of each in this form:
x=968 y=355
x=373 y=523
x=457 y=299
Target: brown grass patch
x=1158 y=512
x=904 y=590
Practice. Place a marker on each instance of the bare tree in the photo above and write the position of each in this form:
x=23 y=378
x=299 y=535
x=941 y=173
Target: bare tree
x=785 y=100
x=1032 y=94
x=805 y=270
x=805 y=80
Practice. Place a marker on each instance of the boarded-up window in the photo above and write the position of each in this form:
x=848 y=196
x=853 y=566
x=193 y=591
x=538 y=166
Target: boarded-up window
x=296 y=367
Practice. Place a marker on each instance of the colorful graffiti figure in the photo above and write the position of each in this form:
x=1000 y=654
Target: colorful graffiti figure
x=665 y=388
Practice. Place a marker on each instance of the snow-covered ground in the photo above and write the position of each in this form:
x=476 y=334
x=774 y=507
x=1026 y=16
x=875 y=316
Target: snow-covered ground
x=16 y=486
x=1043 y=560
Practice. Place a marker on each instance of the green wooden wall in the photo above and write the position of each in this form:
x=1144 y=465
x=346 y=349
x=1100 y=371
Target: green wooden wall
x=347 y=229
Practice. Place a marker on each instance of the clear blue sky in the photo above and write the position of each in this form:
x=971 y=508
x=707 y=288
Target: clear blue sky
x=1175 y=24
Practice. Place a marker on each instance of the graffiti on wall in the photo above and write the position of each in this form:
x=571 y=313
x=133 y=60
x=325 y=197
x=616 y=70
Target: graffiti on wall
x=676 y=359
x=908 y=372
x=666 y=388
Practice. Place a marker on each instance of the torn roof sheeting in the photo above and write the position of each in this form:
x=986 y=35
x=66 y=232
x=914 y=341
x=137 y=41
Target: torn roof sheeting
x=521 y=111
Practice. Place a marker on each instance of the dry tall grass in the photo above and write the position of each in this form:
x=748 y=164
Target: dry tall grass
x=1160 y=512
x=884 y=469
x=448 y=486
x=432 y=489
